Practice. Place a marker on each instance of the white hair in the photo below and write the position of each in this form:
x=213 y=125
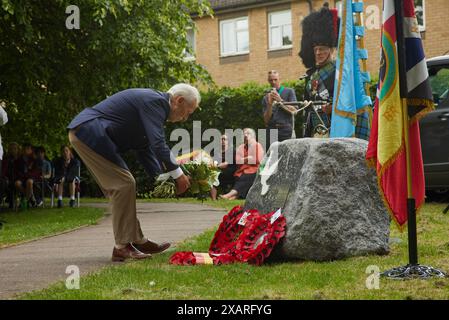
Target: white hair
x=251 y=132
x=187 y=91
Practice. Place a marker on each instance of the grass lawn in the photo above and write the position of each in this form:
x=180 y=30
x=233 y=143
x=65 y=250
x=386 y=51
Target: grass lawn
x=37 y=223
x=346 y=279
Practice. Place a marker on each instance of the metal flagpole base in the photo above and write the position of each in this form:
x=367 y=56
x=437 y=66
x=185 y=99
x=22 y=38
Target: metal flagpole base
x=446 y=210
x=415 y=271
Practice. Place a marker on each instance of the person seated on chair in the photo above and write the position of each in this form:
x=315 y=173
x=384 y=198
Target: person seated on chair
x=248 y=157
x=66 y=170
x=225 y=161
x=46 y=169
x=9 y=171
x=46 y=164
x=29 y=171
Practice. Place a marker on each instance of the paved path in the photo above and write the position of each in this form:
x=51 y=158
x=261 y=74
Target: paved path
x=36 y=265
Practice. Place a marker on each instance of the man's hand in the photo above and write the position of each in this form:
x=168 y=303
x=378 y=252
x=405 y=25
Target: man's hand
x=274 y=95
x=182 y=184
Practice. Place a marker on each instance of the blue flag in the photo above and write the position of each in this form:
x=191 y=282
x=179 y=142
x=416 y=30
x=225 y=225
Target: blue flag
x=351 y=111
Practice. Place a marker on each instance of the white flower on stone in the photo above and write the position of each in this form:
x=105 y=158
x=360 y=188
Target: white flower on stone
x=268 y=170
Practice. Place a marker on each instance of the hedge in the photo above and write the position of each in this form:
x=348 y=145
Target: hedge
x=221 y=108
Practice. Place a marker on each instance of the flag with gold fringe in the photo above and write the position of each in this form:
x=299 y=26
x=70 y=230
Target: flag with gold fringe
x=387 y=148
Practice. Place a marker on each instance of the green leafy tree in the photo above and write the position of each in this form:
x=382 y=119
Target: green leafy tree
x=49 y=72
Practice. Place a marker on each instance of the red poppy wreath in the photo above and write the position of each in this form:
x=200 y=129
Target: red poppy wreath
x=243 y=236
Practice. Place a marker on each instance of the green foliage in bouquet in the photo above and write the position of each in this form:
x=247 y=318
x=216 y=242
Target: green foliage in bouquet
x=164 y=189
x=202 y=178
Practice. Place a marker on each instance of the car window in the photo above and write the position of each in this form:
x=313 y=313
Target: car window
x=439 y=80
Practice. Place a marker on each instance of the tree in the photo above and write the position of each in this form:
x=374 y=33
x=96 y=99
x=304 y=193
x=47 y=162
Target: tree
x=49 y=72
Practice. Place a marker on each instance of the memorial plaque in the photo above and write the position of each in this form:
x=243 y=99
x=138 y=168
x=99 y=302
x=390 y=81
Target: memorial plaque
x=281 y=196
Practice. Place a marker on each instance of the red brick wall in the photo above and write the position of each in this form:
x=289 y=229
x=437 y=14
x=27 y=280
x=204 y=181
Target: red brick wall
x=254 y=66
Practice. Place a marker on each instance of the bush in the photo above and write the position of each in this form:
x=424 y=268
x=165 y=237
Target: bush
x=232 y=108
x=221 y=108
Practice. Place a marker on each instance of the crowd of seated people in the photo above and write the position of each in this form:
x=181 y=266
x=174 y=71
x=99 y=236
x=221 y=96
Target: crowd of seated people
x=27 y=173
x=26 y=170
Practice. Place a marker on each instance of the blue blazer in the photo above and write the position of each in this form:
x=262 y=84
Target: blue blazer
x=132 y=119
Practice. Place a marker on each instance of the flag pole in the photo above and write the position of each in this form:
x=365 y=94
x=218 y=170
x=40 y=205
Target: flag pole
x=361 y=42
x=413 y=269
x=411 y=203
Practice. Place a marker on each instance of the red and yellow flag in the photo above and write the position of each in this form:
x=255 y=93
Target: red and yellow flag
x=387 y=148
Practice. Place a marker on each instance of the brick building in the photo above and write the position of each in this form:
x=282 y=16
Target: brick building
x=246 y=38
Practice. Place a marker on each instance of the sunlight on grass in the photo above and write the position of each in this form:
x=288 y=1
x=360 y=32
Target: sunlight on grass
x=36 y=223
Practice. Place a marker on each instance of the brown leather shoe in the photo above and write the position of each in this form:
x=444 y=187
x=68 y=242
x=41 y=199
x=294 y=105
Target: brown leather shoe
x=151 y=247
x=129 y=252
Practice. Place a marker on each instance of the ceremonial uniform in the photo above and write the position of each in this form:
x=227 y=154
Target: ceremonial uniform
x=319 y=87
x=319 y=36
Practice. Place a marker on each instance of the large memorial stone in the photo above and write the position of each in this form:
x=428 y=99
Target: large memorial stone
x=328 y=195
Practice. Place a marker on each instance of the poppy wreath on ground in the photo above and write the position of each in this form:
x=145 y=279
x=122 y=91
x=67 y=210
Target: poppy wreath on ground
x=259 y=239
x=183 y=258
x=222 y=247
x=243 y=236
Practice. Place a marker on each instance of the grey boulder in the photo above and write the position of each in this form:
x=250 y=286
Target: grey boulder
x=328 y=196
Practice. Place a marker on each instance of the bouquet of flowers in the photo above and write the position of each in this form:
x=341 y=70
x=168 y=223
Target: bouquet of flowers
x=202 y=178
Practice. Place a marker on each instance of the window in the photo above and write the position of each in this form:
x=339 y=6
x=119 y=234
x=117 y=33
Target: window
x=439 y=81
x=189 y=53
x=234 y=36
x=280 y=29
x=420 y=12
x=339 y=7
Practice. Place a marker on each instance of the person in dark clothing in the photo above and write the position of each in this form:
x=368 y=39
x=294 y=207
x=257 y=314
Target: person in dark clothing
x=277 y=118
x=225 y=161
x=132 y=119
x=66 y=170
x=9 y=171
x=46 y=164
x=318 y=43
x=28 y=172
x=46 y=173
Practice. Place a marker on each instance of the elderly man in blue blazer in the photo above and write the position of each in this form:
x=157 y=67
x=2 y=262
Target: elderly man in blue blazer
x=132 y=119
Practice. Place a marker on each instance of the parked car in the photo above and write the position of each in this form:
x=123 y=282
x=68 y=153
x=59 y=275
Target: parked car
x=435 y=128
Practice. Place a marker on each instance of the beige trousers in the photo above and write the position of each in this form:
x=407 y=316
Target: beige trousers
x=119 y=186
